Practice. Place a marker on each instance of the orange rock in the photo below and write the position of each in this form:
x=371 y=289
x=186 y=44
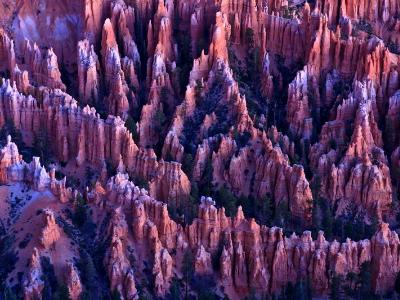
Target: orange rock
x=51 y=232
x=202 y=262
x=374 y=11
x=33 y=284
x=42 y=67
x=385 y=263
x=73 y=282
x=88 y=68
x=170 y=184
x=248 y=249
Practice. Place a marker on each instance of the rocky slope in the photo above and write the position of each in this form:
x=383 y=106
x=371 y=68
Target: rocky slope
x=283 y=112
x=247 y=256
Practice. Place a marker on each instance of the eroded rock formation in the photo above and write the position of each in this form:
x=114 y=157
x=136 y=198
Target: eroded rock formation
x=51 y=231
x=277 y=102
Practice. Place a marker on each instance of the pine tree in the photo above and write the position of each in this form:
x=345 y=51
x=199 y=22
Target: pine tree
x=327 y=220
x=116 y=295
x=265 y=211
x=226 y=199
x=62 y=293
x=174 y=291
x=397 y=284
x=366 y=281
x=88 y=276
x=130 y=124
x=335 y=288
x=187 y=164
x=187 y=270
x=9 y=295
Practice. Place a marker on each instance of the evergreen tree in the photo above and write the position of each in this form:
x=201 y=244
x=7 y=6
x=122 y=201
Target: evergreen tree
x=282 y=215
x=226 y=199
x=62 y=293
x=205 y=184
x=300 y=292
x=9 y=295
x=335 y=288
x=80 y=215
x=199 y=91
x=130 y=124
x=9 y=129
x=327 y=220
x=49 y=278
x=397 y=284
x=289 y=291
x=8 y=256
x=265 y=210
x=185 y=57
x=164 y=97
x=116 y=295
x=365 y=290
x=187 y=270
x=174 y=291
x=88 y=275
x=309 y=288
x=250 y=38
x=160 y=119
x=187 y=164
x=42 y=147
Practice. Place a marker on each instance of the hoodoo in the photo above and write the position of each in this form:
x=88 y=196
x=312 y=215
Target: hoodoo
x=199 y=149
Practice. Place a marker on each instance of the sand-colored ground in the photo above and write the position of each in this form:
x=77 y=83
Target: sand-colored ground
x=27 y=225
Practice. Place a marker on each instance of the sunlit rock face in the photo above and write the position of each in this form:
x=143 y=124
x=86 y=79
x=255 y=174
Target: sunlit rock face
x=150 y=146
